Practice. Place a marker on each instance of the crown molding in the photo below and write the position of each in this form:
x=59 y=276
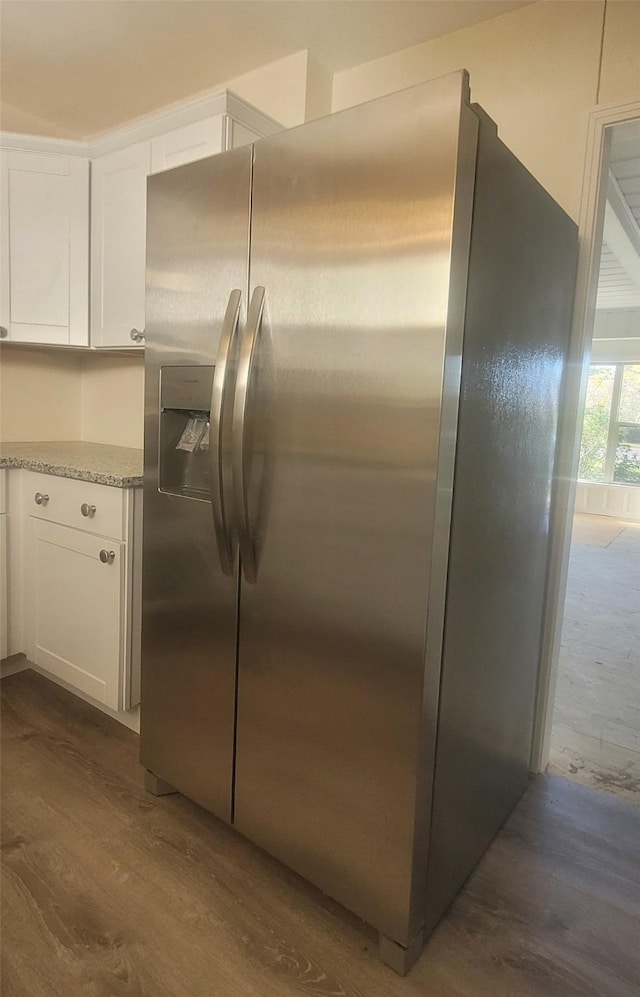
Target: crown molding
x=178 y=115
x=19 y=142
x=142 y=129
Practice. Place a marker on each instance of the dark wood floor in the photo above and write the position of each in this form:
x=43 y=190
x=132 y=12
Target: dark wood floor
x=108 y=892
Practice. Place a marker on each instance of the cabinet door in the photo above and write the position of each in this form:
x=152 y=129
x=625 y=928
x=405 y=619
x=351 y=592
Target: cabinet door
x=75 y=609
x=118 y=240
x=187 y=144
x=45 y=248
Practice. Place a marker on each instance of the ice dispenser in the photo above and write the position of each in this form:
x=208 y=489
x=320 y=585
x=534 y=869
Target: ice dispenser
x=185 y=403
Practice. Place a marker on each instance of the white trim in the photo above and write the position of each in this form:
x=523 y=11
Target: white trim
x=18 y=142
x=205 y=106
x=148 y=127
x=590 y=240
x=608 y=498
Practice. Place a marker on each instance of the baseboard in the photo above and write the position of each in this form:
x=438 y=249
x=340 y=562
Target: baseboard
x=20 y=663
x=129 y=718
x=13 y=664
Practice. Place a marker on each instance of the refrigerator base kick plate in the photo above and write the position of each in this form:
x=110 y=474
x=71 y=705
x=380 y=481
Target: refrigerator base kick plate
x=396 y=956
x=157 y=786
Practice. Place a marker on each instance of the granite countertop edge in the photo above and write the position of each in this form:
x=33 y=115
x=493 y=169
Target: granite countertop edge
x=116 y=467
x=80 y=474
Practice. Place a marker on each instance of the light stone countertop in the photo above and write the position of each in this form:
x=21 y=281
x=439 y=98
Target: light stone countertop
x=120 y=467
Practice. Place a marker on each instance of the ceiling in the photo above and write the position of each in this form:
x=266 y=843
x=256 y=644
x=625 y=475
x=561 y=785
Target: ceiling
x=80 y=67
x=619 y=276
x=625 y=163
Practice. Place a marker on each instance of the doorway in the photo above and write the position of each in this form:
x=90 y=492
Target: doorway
x=595 y=727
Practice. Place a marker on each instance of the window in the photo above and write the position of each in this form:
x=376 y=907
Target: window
x=610 y=448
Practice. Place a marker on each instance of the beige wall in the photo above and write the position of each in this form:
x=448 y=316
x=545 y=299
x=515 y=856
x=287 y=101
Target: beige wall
x=15 y=119
x=40 y=393
x=535 y=71
x=278 y=89
x=292 y=90
x=50 y=395
x=112 y=400
x=620 y=76
x=319 y=89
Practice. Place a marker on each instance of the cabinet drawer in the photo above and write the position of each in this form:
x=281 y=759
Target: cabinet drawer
x=61 y=500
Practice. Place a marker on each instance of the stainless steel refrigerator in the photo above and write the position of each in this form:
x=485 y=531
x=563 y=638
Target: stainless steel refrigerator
x=356 y=338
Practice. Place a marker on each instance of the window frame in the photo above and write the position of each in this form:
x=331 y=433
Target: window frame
x=615 y=424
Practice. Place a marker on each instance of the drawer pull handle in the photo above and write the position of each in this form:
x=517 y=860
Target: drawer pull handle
x=107 y=556
x=40 y=499
x=4 y=332
x=137 y=336
x=87 y=510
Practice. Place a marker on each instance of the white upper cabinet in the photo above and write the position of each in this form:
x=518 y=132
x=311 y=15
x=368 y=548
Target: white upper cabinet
x=44 y=248
x=118 y=222
x=44 y=220
x=198 y=140
x=238 y=134
x=184 y=145
x=118 y=215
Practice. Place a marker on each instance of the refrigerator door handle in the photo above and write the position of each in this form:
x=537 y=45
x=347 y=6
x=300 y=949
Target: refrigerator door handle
x=247 y=350
x=218 y=397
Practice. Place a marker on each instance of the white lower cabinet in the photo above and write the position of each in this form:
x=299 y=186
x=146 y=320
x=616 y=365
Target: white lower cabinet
x=81 y=591
x=75 y=599
x=4 y=609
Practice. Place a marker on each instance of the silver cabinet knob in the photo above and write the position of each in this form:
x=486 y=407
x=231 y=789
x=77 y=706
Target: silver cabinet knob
x=40 y=499
x=4 y=332
x=107 y=556
x=137 y=336
x=88 y=510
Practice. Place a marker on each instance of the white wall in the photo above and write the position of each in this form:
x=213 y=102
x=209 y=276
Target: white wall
x=616 y=336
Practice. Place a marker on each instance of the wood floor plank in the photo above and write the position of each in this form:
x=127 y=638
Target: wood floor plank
x=596 y=726
x=108 y=892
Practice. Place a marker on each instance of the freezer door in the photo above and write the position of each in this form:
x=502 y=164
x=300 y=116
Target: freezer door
x=197 y=243
x=339 y=414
